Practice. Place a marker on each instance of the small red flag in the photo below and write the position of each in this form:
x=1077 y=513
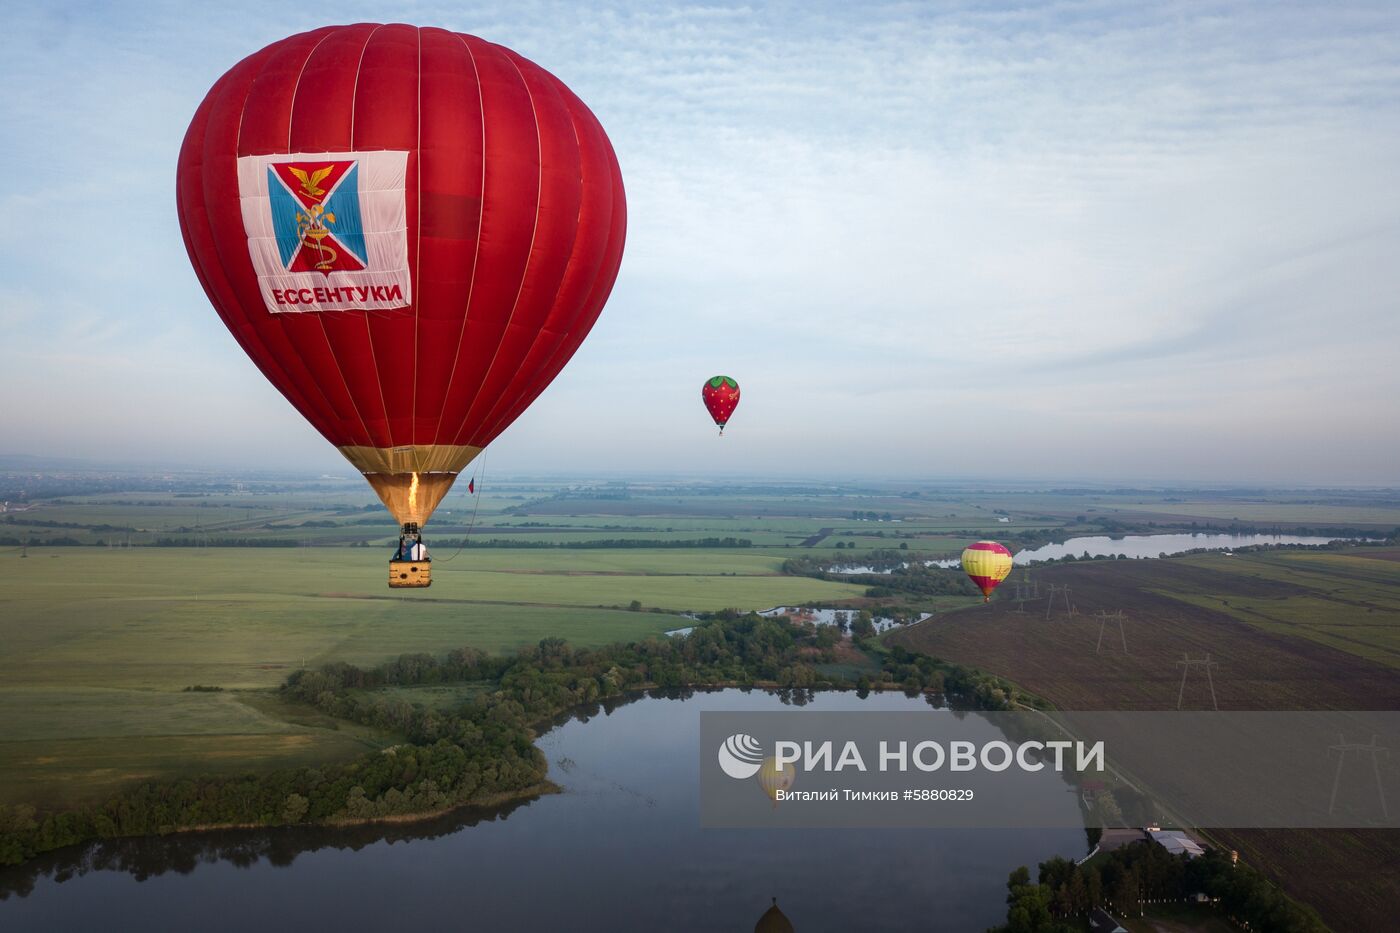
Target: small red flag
x=471 y=485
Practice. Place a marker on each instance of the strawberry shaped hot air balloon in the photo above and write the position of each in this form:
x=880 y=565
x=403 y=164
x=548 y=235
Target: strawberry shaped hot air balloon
x=721 y=397
x=987 y=564
x=410 y=231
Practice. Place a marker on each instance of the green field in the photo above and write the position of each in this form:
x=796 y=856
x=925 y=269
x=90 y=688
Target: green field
x=100 y=643
x=1347 y=601
x=95 y=741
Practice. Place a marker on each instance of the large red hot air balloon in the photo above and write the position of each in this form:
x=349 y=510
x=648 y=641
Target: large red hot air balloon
x=409 y=230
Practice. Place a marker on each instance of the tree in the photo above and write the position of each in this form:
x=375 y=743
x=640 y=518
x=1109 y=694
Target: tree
x=1125 y=893
x=1028 y=906
x=1094 y=885
x=294 y=808
x=1078 y=895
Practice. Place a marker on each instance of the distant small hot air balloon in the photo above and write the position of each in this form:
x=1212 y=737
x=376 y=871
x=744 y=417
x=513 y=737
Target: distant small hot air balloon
x=721 y=397
x=773 y=777
x=987 y=564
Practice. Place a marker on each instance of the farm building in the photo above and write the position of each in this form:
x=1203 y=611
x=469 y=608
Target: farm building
x=1176 y=842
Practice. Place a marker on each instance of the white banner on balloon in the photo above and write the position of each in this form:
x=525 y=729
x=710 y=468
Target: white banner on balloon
x=328 y=231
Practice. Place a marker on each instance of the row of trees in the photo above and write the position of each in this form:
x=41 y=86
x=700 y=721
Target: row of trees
x=896 y=575
x=403 y=779
x=1141 y=873
x=9 y=541
x=225 y=542
x=482 y=747
x=48 y=523
x=605 y=543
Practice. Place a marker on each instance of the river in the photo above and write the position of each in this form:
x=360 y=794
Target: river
x=620 y=849
x=1135 y=546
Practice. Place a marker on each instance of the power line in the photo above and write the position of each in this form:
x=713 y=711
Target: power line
x=1104 y=617
x=1373 y=751
x=1186 y=664
x=1057 y=589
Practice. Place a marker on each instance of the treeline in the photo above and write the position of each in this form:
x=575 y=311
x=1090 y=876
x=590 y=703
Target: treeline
x=223 y=542
x=601 y=543
x=1143 y=873
x=923 y=580
x=192 y=541
x=880 y=560
x=844 y=545
x=903 y=579
x=147 y=857
x=482 y=747
x=404 y=779
x=611 y=493
x=49 y=523
x=1115 y=528
x=912 y=671
x=1337 y=545
x=1319 y=531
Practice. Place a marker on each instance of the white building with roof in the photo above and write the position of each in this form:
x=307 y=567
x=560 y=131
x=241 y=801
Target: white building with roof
x=1175 y=841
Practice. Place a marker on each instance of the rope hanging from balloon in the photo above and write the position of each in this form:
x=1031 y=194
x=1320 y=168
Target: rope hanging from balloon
x=475 y=508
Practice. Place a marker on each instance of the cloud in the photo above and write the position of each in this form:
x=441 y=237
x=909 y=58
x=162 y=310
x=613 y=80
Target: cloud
x=1153 y=240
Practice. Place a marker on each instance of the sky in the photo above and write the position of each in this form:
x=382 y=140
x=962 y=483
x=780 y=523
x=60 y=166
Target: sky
x=1079 y=240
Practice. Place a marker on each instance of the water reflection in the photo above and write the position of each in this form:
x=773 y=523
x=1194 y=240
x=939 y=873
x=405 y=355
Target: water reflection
x=147 y=857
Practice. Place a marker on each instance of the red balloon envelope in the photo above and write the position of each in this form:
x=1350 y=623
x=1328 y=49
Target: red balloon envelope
x=410 y=231
x=721 y=396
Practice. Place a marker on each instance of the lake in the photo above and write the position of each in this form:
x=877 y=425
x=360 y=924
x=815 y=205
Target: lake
x=1148 y=546
x=835 y=616
x=620 y=849
x=1136 y=546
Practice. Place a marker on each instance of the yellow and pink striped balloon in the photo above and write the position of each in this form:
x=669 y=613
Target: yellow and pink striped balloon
x=987 y=563
x=774 y=777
